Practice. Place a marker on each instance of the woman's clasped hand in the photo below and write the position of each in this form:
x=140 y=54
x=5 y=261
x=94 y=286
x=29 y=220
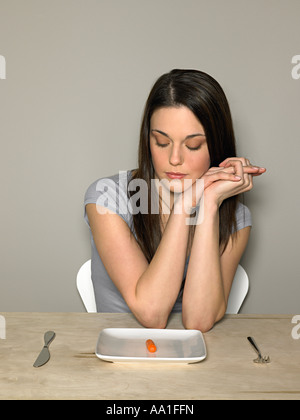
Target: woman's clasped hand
x=233 y=176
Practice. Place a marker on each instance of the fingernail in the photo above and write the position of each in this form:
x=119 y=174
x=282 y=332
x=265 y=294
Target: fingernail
x=237 y=177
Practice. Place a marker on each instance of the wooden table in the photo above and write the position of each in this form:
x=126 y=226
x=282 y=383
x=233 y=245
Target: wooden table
x=74 y=372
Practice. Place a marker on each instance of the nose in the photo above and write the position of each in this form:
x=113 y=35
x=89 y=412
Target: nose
x=175 y=157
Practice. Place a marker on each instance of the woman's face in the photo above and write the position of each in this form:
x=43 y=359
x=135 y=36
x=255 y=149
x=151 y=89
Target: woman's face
x=178 y=146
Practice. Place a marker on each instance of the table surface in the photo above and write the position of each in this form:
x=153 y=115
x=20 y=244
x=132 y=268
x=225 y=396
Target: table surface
x=74 y=371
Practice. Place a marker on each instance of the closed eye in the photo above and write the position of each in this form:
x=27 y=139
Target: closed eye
x=161 y=144
x=194 y=148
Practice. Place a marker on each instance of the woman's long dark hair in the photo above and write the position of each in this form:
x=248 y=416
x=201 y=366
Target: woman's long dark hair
x=203 y=95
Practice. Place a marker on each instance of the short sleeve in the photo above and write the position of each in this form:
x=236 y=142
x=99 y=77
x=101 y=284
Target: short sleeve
x=109 y=193
x=243 y=217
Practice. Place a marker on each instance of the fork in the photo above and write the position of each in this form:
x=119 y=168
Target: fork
x=260 y=359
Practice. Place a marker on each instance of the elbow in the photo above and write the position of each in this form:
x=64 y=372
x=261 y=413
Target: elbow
x=202 y=323
x=156 y=323
x=152 y=319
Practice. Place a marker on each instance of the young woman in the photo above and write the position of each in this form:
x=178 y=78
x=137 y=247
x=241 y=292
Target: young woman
x=154 y=262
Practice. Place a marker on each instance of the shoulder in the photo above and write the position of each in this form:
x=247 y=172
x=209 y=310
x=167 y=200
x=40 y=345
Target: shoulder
x=110 y=186
x=110 y=192
x=242 y=216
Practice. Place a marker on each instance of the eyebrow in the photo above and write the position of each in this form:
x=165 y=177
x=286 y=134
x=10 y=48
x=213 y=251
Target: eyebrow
x=190 y=136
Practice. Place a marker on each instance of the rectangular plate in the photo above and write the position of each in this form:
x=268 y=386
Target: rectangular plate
x=129 y=345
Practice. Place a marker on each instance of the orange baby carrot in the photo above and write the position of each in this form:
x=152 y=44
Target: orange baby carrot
x=151 y=346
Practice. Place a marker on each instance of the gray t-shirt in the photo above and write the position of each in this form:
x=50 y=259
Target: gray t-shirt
x=111 y=193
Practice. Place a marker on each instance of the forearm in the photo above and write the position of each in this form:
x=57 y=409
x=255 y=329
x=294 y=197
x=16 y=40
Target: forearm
x=158 y=287
x=203 y=298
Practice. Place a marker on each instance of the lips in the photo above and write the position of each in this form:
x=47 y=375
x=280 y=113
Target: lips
x=175 y=175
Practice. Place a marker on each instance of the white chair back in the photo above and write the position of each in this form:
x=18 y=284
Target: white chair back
x=238 y=292
x=85 y=287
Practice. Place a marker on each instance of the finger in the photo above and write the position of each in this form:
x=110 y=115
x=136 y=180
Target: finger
x=225 y=162
x=259 y=172
x=246 y=162
x=221 y=176
x=254 y=170
x=243 y=161
x=237 y=164
x=248 y=185
x=249 y=169
x=229 y=169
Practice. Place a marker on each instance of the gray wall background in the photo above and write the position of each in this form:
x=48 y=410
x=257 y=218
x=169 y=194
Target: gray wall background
x=77 y=75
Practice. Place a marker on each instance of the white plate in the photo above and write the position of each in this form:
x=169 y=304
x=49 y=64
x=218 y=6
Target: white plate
x=129 y=345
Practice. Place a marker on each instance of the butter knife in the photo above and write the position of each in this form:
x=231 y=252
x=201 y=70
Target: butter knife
x=44 y=355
